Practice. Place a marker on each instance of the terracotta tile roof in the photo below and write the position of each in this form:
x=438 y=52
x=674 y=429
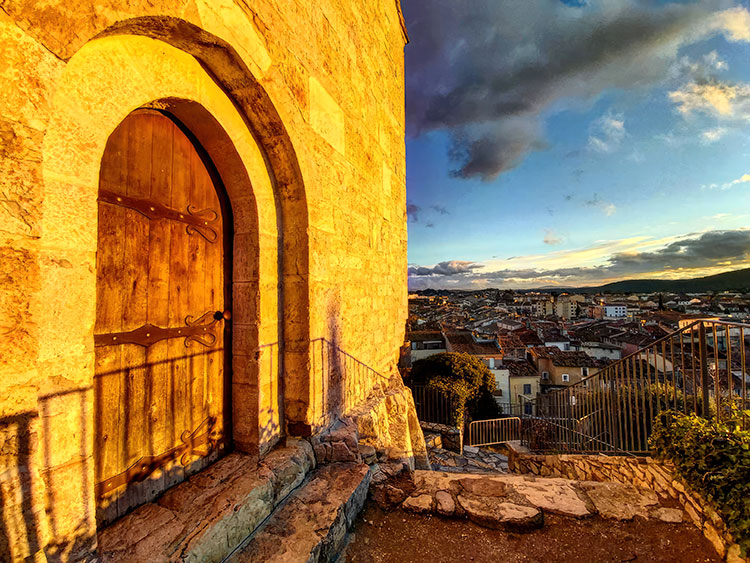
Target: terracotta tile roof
x=567 y=358
x=425 y=336
x=464 y=341
x=520 y=368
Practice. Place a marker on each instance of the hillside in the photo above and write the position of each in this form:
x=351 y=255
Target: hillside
x=737 y=280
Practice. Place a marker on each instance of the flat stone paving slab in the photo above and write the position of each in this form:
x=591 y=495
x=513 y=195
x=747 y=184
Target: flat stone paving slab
x=490 y=499
x=313 y=523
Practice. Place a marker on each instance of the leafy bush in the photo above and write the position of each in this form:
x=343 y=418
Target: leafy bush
x=714 y=459
x=462 y=377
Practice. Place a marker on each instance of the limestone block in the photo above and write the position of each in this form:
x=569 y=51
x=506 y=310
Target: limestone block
x=672 y=515
x=496 y=514
x=553 y=495
x=445 y=504
x=420 y=503
x=620 y=501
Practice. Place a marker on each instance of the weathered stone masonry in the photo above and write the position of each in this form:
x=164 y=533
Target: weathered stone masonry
x=643 y=472
x=300 y=107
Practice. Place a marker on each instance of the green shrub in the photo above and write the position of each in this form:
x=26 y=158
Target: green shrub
x=462 y=377
x=714 y=459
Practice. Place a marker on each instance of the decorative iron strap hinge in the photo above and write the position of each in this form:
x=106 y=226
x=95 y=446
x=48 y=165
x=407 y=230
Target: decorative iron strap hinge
x=198 y=330
x=198 y=221
x=193 y=444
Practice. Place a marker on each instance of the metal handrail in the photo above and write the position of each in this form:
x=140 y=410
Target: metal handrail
x=700 y=368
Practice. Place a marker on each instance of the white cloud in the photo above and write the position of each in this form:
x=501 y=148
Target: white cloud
x=712 y=135
x=607 y=133
x=744 y=179
x=734 y=23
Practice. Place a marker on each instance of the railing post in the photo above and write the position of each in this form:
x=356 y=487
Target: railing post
x=705 y=407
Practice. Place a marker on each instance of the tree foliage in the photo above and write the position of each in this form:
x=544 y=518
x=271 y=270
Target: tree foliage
x=714 y=459
x=462 y=377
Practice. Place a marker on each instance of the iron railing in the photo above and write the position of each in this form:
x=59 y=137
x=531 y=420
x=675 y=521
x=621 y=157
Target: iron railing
x=701 y=368
x=433 y=406
x=494 y=431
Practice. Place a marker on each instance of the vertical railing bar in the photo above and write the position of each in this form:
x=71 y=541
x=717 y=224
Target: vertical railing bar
x=693 y=354
x=648 y=391
x=717 y=383
x=674 y=377
x=682 y=372
x=611 y=409
x=743 y=374
x=643 y=390
x=635 y=430
x=728 y=352
x=704 y=370
x=619 y=407
x=664 y=374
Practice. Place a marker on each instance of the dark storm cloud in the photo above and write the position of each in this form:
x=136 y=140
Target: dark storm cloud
x=449 y=268
x=486 y=70
x=712 y=248
x=708 y=249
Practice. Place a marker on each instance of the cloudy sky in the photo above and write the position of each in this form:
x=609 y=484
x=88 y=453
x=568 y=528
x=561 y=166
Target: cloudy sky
x=576 y=142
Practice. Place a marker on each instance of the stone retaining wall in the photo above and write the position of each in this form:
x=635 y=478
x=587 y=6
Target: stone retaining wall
x=644 y=472
x=450 y=435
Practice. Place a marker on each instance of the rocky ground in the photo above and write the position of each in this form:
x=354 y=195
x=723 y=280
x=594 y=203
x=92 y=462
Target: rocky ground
x=448 y=516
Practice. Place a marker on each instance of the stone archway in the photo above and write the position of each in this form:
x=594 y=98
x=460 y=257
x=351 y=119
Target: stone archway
x=269 y=274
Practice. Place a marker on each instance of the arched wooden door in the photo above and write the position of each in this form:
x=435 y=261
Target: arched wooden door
x=161 y=314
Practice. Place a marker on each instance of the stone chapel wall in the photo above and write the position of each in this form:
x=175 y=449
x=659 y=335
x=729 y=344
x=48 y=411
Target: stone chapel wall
x=310 y=95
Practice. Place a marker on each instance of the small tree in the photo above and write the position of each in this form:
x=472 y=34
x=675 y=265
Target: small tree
x=462 y=377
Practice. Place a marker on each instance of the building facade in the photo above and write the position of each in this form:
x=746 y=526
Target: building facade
x=197 y=200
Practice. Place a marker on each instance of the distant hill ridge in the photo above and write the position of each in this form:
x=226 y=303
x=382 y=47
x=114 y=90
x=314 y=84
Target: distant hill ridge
x=738 y=280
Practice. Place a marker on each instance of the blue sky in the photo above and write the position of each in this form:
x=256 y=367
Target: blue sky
x=576 y=143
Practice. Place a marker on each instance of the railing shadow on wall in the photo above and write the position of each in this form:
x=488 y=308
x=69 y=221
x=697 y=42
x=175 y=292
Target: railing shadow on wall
x=32 y=445
x=171 y=423
x=702 y=368
x=21 y=532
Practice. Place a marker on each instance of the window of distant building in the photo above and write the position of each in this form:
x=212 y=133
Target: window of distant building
x=565 y=377
x=527 y=408
x=545 y=375
x=584 y=372
x=527 y=388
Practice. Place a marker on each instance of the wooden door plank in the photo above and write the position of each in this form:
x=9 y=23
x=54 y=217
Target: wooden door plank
x=179 y=307
x=158 y=294
x=196 y=297
x=109 y=430
x=136 y=394
x=214 y=301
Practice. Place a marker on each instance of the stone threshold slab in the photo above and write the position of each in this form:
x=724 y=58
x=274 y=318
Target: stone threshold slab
x=312 y=524
x=206 y=517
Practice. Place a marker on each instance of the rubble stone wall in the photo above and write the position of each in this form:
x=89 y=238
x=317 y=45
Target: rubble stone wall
x=643 y=472
x=451 y=437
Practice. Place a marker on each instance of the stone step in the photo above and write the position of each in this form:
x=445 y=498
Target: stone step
x=312 y=524
x=209 y=515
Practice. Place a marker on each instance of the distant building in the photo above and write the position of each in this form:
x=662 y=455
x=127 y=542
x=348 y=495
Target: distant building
x=610 y=311
x=425 y=343
x=562 y=368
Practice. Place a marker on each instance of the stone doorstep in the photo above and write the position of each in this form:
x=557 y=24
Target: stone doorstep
x=312 y=524
x=206 y=517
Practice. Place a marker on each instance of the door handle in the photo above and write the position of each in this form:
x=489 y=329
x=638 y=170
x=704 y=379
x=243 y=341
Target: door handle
x=219 y=315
